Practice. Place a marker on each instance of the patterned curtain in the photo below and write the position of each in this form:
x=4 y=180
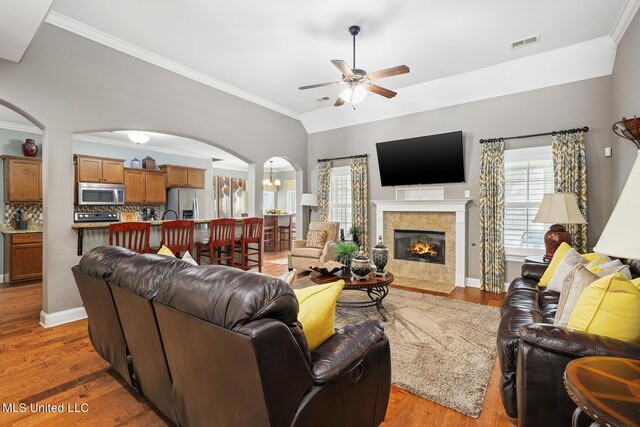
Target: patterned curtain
x=360 y=199
x=324 y=189
x=570 y=176
x=492 y=257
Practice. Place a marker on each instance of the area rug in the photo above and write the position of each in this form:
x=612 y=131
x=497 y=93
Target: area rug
x=281 y=261
x=441 y=349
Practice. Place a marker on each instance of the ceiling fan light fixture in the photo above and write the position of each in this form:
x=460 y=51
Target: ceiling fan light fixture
x=354 y=94
x=138 y=137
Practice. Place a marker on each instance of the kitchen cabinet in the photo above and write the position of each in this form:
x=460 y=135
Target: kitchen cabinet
x=23 y=256
x=142 y=186
x=184 y=177
x=22 y=179
x=99 y=169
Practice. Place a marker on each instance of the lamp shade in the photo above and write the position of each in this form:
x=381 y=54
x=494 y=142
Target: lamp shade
x=559 y=208
x=309 y=199
x=621 y=235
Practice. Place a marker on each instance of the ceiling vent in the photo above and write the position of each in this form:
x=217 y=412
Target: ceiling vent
x=525 y=42
x=323 y=99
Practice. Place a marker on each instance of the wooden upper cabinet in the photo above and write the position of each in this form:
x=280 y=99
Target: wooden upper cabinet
x=156 y=190
x=144 y=186
x=195 y=178
x=134 y=186
x=99 y=169
x=113 y=171
x=23 y=179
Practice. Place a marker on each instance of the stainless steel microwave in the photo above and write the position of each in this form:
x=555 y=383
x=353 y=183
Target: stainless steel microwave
x=100 y=194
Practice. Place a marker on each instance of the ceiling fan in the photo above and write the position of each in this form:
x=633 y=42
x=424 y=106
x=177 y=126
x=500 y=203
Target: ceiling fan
x=358 y=80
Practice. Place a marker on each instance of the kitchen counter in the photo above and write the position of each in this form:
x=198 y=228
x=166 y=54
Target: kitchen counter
x=84 y=225
x=7 y=229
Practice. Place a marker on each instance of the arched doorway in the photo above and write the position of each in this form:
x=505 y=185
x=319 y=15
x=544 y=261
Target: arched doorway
x=280 y=200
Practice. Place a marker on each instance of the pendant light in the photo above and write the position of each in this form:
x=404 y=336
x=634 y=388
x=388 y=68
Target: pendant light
x=269 y=182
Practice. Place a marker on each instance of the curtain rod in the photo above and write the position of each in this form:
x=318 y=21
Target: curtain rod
x=357 y=156
x=575 y=130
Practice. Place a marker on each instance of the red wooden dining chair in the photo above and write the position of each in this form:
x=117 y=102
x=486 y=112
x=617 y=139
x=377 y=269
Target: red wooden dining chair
x=269 y=232
x=250 y=244
x=220 y=246
x=284 y=233
x=130 y=235
x=178 y=235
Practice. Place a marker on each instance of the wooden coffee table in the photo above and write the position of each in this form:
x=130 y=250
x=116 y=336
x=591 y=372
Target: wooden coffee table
x=376 y=288
x=607 y=389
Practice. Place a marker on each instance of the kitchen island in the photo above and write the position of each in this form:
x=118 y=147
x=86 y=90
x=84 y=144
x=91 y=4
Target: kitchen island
x=99 y=232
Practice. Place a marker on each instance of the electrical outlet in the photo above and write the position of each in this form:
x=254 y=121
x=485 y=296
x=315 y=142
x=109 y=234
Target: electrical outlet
x=607 y=151
x=467 y=193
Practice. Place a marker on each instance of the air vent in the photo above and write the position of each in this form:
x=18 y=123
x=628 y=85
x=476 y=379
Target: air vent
x=525 y=42
x=213 y=159
x=323 y=99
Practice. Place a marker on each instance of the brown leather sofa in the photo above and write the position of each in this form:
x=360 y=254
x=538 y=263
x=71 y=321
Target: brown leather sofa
x=533 y=353
x=219 y=346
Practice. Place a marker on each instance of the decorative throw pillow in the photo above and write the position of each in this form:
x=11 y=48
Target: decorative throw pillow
x=610 y=306
x=609 y=268
x=188 y=258
x=557 y=258
x=575 y=282
x=289 y=277
x=316 y=239
x=568 y=262
x=636 y=282
x=318 y=311
x=166 y=251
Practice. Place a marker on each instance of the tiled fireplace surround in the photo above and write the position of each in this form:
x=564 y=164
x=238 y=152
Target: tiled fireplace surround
x=435 y=215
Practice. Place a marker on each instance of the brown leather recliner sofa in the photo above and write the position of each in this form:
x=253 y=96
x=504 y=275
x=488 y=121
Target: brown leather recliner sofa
x=533 y=353
x=220 y=346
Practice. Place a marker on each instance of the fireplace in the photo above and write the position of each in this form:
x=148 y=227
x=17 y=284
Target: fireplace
x=419 y=246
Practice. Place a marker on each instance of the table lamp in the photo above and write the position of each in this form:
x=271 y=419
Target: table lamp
x=558 y=209
x=621 y=236
x=309 y=200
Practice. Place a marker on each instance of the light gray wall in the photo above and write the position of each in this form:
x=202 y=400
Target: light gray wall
x=127 y=154
x=11 y=144
x=561 y=107
x=625 y=102
x=69 y=84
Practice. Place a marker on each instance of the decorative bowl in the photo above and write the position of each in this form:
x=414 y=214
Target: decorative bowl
x=325 y=268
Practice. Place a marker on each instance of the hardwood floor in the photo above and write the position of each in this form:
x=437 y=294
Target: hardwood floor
x=59 y=366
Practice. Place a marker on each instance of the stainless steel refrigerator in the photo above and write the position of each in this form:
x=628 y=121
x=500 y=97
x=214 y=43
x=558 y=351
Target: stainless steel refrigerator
x=203 y=203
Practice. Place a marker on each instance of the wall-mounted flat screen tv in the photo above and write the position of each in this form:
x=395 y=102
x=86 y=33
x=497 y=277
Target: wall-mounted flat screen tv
x=433 y=159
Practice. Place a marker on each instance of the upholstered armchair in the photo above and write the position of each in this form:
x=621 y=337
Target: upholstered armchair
x=301 y=256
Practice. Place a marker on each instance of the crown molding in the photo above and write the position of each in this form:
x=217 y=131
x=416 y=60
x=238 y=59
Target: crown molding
x=582 y=61
x=20 y=127
x=73 y=26
x=627 y=14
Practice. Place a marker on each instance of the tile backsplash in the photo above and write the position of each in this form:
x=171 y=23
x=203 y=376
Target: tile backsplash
x=33 y=209
x=118 y=208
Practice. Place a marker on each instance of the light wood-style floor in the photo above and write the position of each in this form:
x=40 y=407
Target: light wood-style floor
x=59 y=366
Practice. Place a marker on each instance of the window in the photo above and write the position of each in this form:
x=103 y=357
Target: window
x=528 y=176
x=340 y=197
x=291 y=201
x=268 y=200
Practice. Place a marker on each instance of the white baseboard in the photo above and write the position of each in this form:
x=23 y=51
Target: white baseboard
x=48 y=320
x=472 y=283
x=5 y=278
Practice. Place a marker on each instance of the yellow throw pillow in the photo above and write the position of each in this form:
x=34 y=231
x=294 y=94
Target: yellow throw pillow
x=317 y=311
x=553 y=265
x=636 y=282
x=594 y=257
x=610 y=306
x=166 y=251
x=557 y=258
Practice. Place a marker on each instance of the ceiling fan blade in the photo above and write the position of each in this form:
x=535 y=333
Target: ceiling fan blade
x=379 y=90
x=393 y=71
x=343 y=67
x=319 y=85
x=339 y=102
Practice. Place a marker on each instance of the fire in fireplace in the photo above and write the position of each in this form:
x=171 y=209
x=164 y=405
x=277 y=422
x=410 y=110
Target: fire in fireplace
x=419 y=245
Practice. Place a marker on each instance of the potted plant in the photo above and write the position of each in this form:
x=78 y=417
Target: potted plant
x=344 y=253
x=356 y=231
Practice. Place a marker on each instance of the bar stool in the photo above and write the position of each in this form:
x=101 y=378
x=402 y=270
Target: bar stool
x=251 y=235
x=221 y=243
x=270 y=225
x=130 y=235
x=284 y=233
x=178 y=235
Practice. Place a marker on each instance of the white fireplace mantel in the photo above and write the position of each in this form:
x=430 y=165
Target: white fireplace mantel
x=459 y=206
